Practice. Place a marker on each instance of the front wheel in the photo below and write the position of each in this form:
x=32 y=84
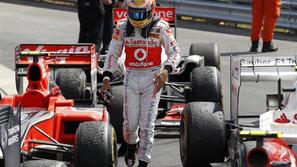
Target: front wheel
x=95 y=145
x=115 y=110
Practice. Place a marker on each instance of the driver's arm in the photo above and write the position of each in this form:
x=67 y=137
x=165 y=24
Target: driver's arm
x=171 y=49
x=114 y=52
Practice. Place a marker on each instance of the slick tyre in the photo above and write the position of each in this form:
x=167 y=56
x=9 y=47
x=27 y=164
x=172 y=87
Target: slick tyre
x=43 y=163
x=202 y=134
x=206 y=84
x=95 y=145
x=72 y=83
x=115 y=110
x=210 y=51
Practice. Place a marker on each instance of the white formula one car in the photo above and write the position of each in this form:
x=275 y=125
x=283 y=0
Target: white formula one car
x=270 y=143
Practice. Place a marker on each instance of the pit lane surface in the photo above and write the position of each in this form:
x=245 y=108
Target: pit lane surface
x=27 y=24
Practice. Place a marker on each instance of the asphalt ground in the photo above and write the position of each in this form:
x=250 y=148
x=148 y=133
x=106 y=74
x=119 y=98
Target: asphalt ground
x=28 y=22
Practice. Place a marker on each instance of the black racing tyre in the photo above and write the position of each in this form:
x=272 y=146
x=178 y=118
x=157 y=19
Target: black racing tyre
x=210 y=51
x=206 y=84
x=202 y=134
x=1 y=163
x=72 y=83
x=95 y=145
x=115 y=110
x=43 y=163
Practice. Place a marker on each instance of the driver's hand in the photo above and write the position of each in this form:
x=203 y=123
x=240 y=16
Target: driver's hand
x=105 y=93
x=160 y=80
x=105 y=87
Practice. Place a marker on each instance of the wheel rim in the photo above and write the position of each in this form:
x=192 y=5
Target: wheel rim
x=183 y=136
x=114 y=149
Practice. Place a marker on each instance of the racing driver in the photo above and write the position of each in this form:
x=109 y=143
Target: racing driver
x=143 y=37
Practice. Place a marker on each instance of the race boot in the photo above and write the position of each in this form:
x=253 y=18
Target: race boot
x=269 y=47
x=142 y=164
x=130 y=154
x=122 y=149
x=254 y=47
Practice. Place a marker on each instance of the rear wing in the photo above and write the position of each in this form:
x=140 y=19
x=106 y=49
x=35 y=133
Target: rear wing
x=62 y=56
x=258 y=69
x=254 y=69
x=165 y=13
x=56 y=56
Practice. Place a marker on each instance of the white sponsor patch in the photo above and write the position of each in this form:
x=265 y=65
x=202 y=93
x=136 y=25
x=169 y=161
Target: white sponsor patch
x=269 y=61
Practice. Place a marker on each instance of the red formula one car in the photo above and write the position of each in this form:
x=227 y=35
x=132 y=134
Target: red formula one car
x=62 y=130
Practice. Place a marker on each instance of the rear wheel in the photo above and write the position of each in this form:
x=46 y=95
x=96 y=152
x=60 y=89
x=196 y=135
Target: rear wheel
x=95 y=145
x=210 y=52
x=206 y=84
x=1 y=162
x=72 y=83
x=202 y=134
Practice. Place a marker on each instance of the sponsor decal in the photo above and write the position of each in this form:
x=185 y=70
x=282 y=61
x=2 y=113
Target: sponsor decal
x=141 y=57
x=13 y=135
x=9 y=136
x=140 y=54
x=109 y=62
x=116 y=34
x=172 y=43
x=120 y=14
x=156 y=30
x=59 y=60
x=268 y=61
x=141 y=42
x=154 y=35
x=169 y=31
x=167 y=14
x=141 y=64
x=282 y=119
x=57 y=49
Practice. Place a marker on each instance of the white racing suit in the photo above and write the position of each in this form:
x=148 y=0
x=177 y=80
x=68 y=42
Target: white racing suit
x=143 y=60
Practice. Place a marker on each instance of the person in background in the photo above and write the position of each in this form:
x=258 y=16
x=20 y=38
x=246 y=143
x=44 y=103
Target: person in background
x=91 y=18
x=108 y=24
x=142 y=36
x=264 y=15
